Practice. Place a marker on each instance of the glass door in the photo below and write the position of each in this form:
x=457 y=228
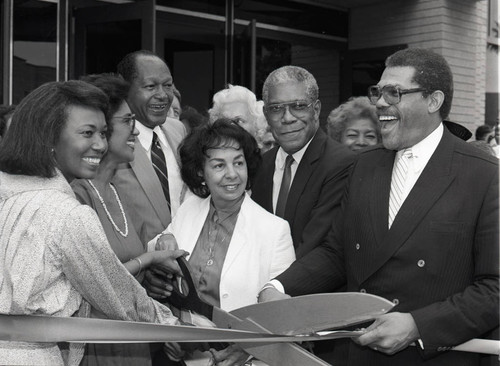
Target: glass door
x=106 y=33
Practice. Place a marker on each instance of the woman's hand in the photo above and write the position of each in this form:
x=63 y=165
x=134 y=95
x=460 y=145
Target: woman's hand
x=158 y=284
x=160 y=274
x=233 y=355
x=166 y=242
x=165 y=260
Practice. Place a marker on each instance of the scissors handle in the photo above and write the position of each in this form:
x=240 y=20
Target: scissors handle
x=191 y=300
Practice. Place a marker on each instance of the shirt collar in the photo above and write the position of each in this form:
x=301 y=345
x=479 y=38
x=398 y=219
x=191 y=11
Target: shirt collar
x=146 y=135
x=224 y=214
x=423 y=150
x=297 y=157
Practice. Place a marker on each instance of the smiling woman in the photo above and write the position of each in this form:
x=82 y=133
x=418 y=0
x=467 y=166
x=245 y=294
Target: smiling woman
x=54 y=256
x=236 y=246
x=100 y=194
x=354 y=124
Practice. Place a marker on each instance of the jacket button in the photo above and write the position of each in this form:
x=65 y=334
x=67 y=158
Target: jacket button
x=362 y=291
x=358 y=246
x=225 y=296
x=395 y=301
x=421 y=263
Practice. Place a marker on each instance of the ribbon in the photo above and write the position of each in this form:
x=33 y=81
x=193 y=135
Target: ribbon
x=30 y=328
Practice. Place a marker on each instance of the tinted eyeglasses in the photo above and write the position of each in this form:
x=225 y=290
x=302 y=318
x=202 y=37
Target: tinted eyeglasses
x=297 y=108
x=128 y=119
x=391 y=93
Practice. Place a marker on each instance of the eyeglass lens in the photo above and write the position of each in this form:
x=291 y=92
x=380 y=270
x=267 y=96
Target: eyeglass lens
x=389 y=92
x=296 y=108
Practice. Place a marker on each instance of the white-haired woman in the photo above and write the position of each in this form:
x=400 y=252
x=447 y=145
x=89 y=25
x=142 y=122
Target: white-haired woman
x=240 y=104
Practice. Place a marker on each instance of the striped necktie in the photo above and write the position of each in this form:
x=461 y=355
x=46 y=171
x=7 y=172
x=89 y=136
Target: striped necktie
x=285 y=187
x=399 y=175
x=160 y=165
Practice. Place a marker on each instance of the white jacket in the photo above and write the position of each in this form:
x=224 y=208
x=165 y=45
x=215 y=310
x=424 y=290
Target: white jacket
x=260 y=249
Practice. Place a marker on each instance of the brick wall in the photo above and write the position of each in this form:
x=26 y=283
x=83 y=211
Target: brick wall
x=455 y=29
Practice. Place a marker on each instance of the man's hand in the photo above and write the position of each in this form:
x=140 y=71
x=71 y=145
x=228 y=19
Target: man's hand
x=233 y=355
x=390 y=333
x=271 y=294
x=157 y=283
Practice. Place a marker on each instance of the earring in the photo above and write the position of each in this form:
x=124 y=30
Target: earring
x=203 y=184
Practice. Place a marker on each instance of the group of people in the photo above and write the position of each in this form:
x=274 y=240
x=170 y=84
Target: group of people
x=102 y=188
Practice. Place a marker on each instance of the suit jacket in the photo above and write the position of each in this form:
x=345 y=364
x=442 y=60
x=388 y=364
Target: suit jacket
x=439 y=261
x=316 y=191
x=140 y=189
x=260 y=248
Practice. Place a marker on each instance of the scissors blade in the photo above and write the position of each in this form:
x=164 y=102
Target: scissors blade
x=272 y=354
x=312 y=313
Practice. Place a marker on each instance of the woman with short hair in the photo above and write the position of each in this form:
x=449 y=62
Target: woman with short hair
x=236 y=246
x=354 y=124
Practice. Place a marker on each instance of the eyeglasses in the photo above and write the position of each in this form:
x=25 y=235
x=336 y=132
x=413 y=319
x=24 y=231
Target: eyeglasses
x=297 y=108
x=128 y=119
x=391 y=93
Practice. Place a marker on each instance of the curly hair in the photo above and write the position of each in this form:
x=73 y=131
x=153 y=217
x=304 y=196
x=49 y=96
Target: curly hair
x=355 y=108
x=223 y=132
x=432 y=73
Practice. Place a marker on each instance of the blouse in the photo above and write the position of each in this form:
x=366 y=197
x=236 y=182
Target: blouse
x=53 y=255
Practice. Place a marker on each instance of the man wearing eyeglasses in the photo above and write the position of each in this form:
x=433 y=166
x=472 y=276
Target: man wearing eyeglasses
x=302 y=179
x=420 y=227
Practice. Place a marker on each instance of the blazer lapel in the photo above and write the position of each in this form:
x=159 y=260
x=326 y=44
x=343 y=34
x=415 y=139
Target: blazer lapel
x=192 y=226
x=238 y=240
x=265 y=189
x=380 y=190
x=173 y=137
x=149 y=182
x=434 y=180
x=303 y=173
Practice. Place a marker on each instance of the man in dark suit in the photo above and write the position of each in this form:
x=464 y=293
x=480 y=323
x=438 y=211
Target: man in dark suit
x=309 y=194
x=436 y=256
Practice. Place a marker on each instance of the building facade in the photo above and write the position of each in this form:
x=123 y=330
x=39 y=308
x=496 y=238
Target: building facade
x=209 y=43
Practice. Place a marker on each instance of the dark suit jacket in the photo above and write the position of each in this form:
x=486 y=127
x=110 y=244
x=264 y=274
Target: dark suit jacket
x=439 y=261
x=315 y=193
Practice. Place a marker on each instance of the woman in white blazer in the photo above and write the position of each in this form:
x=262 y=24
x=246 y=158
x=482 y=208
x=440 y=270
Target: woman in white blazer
x=236 y=246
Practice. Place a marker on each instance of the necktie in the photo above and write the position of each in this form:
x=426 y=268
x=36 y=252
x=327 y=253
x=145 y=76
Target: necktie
x=399 y=174
x=285 y=186
x=159 y=165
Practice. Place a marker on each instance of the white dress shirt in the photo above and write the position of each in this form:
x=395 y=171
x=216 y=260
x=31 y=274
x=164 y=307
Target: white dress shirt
x=279 y=167
x=421 y=154
x=175 y=183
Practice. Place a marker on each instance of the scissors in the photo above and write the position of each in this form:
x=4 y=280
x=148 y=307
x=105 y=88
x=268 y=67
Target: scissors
x=302 y=315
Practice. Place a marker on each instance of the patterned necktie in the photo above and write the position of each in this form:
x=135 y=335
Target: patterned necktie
x=159 y=165
x=399 y=175
x=285 y=187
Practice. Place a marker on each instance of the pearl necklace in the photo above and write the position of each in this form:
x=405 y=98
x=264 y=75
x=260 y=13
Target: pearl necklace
x=124 y=234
